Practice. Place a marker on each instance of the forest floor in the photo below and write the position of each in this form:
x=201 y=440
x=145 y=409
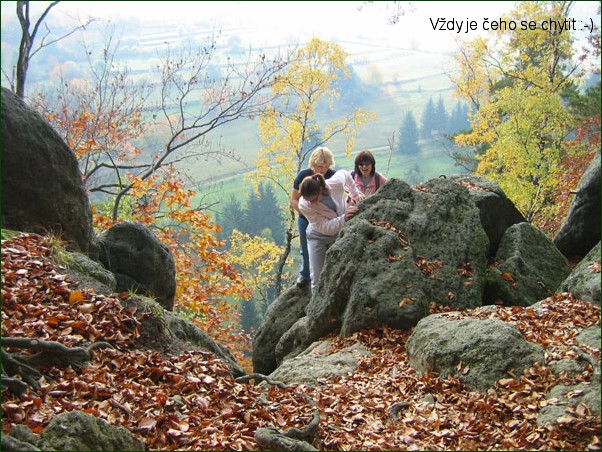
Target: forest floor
x=190 y=402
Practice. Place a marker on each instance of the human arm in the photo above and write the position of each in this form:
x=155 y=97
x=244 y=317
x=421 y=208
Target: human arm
x=294 y=201
x=351 y=187
x=321 y=218
x=295 y=193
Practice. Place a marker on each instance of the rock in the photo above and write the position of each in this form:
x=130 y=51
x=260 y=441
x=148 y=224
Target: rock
x=570 y=397
x=584 y=280
x=406 y=248
x=530 y=268
x=168 y=333
x=75 y=430
x=279 y=317
x=319 y=361
x=85 y=266
x=496 y=211
x=479 y=352
x=42 y=188
x=20 y=438
x=581 y=229
x=139 y=261
x=590 y=337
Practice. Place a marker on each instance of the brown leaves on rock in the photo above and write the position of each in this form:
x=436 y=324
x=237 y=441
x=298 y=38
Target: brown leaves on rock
x=37 y=301
x=470 y=185
x=428 y=267
x=441 y=413
x=403 y=241
x=594 y=267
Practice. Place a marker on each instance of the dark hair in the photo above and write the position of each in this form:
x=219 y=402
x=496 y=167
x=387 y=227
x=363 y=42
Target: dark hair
x=312 y=185
x=365 y=157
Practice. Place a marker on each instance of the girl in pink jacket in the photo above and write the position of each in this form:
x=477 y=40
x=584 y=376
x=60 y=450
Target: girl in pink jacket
x=364 y=174
x=323 y=203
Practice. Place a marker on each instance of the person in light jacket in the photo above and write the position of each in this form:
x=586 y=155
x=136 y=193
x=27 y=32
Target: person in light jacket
x=322 y=202
x=321 y=161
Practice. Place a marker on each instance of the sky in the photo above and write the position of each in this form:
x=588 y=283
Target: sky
x=296 y=21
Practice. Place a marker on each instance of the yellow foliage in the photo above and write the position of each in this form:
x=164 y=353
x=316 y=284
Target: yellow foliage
x=285 y=128
x=514 y=80
x=256 y=257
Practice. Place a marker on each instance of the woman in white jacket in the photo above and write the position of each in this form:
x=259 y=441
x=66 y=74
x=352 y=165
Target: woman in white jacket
x=323 y=203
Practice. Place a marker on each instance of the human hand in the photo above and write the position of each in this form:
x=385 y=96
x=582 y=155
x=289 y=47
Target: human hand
x=359 y=197
x=350 y=212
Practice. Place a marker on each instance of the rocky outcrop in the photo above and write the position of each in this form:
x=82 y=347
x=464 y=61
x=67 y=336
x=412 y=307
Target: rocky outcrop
x=318 y=361
x=73 y=430
x=479 y=352
x=496 y=211
x=279 y=317
x=456 y=241
x=42 y=188
x=581 y=230
x=528 y=268
x=139 y=261
x=406 y=248
x=584 y=281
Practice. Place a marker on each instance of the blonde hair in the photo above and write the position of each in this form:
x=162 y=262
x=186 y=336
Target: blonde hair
x=321 y=156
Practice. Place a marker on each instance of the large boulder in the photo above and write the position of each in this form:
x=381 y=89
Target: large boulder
x=405 y=249
x=528 y=268
x=581 y=229
x=584 y=281
x=278 y=319
x=73 y=430
x=42 y=188
x=479 y=352
x=496 y=211
x=139 y=261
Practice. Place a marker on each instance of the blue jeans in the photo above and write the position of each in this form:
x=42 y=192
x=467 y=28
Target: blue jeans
x=302 y=224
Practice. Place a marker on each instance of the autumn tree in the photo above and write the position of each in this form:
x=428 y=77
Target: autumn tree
x=256 y=257
x=100 y=117
x=514 y=80
x=103 y=118
x=290 y=123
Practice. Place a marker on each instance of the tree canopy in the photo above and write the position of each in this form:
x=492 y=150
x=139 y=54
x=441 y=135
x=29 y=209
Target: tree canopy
x=515 y=79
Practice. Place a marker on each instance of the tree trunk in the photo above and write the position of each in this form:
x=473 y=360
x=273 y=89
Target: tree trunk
x=24 y=48
x=285 y=253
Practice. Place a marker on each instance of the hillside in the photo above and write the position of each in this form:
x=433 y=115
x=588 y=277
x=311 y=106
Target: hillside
x=189 y=402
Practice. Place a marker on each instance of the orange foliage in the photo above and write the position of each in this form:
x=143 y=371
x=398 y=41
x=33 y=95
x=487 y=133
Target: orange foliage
x=101 y=132
x=204 y=275
x=91 y=130
x=580 y=153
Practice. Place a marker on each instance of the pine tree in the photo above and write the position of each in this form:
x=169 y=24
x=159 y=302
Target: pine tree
x=408 y=135
x=458 y=120
x=429 y=119
x=441 y=117
x=272 y=214
x=263 y=213
x=231 y=217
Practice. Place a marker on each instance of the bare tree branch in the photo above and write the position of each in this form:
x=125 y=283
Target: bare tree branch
x=26 y=51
